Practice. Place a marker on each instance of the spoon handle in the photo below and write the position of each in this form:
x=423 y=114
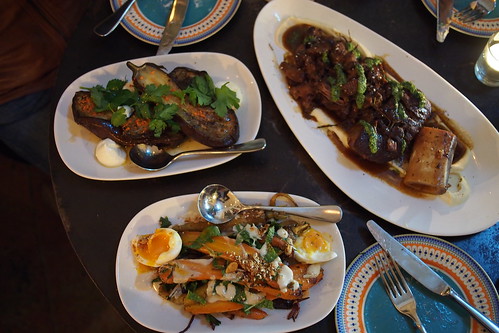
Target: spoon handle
x=110 y=23
x=329 y=213
x=246 y=147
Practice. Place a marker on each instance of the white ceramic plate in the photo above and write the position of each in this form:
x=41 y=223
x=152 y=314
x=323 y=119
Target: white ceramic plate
x=148 y=309
x=76 y=144
x=204 y=18
x=434 y=217
x=364 y=305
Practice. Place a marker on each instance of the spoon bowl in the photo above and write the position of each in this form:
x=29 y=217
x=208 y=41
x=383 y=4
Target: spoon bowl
x=152 y=158
x=218 y=205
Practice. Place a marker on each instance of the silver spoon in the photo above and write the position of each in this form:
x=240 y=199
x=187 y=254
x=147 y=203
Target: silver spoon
x=110 y=23
x=217 y=204
x=152 y=158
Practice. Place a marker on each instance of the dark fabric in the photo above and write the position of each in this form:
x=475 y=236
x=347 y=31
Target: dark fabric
x=33 y=36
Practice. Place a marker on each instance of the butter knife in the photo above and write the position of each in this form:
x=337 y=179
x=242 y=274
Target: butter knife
x=172 y=26
x=423 y=273
x=444 y=16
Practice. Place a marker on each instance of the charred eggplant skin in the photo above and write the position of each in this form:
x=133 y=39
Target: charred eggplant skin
x=99 y=123
x=200 y=123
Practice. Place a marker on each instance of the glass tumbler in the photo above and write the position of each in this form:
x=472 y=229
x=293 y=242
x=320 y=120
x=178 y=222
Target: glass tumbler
x=487 y=65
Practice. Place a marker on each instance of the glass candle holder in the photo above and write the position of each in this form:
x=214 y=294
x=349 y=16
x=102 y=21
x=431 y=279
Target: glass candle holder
x=487 y=65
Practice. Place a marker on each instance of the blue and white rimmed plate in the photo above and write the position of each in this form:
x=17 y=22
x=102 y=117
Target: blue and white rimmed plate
x=483 y=27
x=364 y=305
x=146 y=19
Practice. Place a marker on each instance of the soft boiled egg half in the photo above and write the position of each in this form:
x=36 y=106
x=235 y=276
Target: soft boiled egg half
x=313 y=247
x=158 y=248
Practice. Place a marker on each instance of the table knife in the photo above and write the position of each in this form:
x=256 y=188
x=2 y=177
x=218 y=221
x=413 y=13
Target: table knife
x=423 y=273
x=444 y=16
x=172 y=26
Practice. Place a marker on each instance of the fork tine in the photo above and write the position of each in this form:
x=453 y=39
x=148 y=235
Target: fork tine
x=396 y=287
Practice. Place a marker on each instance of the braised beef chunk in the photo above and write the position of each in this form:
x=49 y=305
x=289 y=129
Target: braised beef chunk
x=381 y=116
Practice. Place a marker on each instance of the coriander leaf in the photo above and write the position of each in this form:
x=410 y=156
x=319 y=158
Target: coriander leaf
x=165 y=111
x=164 y=222
x=195 y=297
x=157 y=126
x=153 y=93
x=143 y=111
x=201 y=91
x=115 y=84
x=119 y=117
x=225 y=99
x=206 y=236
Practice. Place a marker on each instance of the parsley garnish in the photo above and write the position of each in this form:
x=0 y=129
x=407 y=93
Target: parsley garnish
x=271 y=253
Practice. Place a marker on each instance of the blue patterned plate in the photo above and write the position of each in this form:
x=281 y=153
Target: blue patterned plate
x=479 y=28
x=146 y=19
x=364 y=305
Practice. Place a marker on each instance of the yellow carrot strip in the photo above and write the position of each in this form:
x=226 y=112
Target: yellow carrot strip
x=215 y=307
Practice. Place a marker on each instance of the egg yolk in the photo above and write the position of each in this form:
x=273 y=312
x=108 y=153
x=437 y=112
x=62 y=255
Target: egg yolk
x=313 y=241
x=158 y=248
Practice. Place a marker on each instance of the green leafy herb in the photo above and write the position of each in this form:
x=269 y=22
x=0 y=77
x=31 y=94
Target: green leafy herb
x=371 y=62
x=212 y=320
x=201 y=91
x=164 y=222
x=267 y=304
x=361 y=85
x=118 y=117
x=195 y=297
x=240 y=296
x=373 y=136
x=206 y=236
x=270 y=234
x=225 y=99
x=271 y=253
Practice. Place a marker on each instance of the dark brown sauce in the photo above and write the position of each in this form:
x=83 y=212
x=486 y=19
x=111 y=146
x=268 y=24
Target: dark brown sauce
x=292 y=38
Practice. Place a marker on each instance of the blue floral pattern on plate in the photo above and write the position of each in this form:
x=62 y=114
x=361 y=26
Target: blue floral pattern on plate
x=479 y=28
x=146 y=19
x=364 y=306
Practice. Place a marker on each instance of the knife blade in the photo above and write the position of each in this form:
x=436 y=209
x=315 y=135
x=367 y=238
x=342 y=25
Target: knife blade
x=172 y=26
x=423 y=273
x=444 y=17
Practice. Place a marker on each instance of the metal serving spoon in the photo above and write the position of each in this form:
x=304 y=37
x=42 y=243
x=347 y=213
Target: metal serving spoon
x=152 y=158
x=217 y=204
x=110 y=23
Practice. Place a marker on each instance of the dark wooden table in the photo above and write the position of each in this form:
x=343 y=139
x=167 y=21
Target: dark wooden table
x=95 y=213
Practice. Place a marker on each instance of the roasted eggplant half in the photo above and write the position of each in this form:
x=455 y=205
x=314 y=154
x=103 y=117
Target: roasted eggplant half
x=199 y=122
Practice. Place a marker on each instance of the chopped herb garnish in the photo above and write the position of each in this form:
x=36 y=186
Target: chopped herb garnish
x=271 y=253
x=373 y=136
x=119 y=117
x=195 y=297
x=361 y=85
x=371 y=62
x=164 y=222
x=212 y=320
x=206 y=236
x=270 y=234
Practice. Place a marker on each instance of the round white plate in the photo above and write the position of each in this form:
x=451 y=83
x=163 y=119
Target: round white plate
x=151 y=311
x=76 y=144
x=429 y=216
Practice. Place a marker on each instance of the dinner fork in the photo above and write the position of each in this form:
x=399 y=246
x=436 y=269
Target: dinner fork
x=397 y=289
x=475 y=10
